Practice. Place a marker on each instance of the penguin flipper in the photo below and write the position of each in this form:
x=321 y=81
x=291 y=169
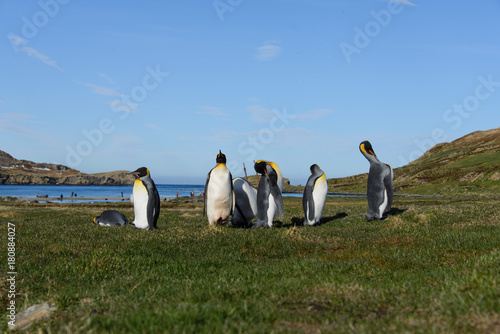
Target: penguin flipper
x=233 y=197
x=153 y=206
x=276 y=192
x=156 y=205
x=278 y=199
x=388 y=182
x=308 y=202
x=206 y=193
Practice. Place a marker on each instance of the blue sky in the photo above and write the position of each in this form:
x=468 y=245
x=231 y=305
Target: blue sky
x=115 y=85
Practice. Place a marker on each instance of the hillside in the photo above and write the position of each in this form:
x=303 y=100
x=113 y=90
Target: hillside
x=14 y=171
x=467 y=166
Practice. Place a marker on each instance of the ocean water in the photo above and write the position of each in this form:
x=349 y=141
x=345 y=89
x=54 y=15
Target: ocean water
x=165 y=190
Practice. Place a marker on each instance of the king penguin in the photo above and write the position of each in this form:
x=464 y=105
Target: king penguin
x=314 y=197
x=269 y=200
x=379 y=189
x=245 y=208
x=111 y=218
x=146 y=200
x=276 y=169
x=219 y=194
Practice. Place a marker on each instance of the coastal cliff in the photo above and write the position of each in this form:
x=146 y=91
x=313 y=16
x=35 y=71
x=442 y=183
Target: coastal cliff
x=15 y=171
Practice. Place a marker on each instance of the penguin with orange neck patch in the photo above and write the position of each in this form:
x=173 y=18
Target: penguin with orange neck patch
x=379 y=188
x=219 y=193
x=314 y=198
x=146 y=200
x=269 y=200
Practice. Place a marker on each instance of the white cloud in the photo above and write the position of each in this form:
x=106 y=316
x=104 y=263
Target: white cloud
x=403 y=2
x=20 y=44
x=268 y=51
x=100 y=90
x=260 y=114
x=105 y=77
x=123 y=106
x=8 y=125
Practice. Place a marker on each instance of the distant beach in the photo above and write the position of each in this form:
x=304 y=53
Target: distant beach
x=81 y=194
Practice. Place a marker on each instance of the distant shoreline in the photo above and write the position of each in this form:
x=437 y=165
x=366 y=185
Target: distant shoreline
x=197 y=198
x=67 y=199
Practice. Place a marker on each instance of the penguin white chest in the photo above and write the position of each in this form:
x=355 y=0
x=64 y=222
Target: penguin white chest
x=382 y=206
x=319 y=197
x=271 y=210
x=219 y=195
x=141 y=197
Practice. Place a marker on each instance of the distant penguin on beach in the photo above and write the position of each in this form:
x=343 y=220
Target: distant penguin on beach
x=111 y=218
x=269 y=200
x=146 y=200
x=314 y=198
x=245 y=202
x=219 y=195
x=379 y=188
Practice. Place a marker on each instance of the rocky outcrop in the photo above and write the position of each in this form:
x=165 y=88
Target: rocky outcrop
x=14 y=171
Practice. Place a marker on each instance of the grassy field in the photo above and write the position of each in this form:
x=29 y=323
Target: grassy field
x=431 y=267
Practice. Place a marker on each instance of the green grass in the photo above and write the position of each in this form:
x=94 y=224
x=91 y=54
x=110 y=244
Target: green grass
x=432 y=267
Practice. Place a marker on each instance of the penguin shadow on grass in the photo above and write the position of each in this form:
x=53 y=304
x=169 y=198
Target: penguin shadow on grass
x=393 y=212
x=299 y=221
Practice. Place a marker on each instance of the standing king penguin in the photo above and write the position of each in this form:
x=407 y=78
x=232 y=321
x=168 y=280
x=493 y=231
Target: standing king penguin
x=269 y=200
x=219 y=194
x=245 y=208
x=379 y=190
x=146 y=200
x=314 y=197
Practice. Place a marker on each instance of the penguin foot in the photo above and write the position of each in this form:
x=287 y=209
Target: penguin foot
x=369 y=217
x=259 y=223
x=221 y=221
x=239 y=224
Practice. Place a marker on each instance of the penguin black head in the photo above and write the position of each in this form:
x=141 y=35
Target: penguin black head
x=140 y=172
x=260 y=167
x=221 y=158
x=313 y=168
x=366 y=147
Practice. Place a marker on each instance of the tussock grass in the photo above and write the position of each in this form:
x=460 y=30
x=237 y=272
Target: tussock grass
x=431 y=267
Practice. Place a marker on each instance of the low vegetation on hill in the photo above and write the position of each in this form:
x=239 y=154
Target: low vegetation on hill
x=467 y=166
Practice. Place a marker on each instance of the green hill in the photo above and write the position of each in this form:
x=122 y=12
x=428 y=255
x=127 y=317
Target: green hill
x=469 y=165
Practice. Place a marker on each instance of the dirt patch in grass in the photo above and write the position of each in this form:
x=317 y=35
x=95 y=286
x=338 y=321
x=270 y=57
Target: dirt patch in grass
x=10 y=214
